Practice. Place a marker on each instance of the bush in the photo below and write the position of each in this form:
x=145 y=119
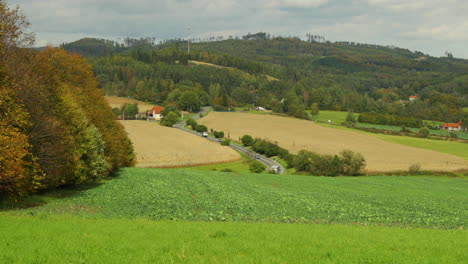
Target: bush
x=352 y=163
x=226 y=142
x=453 y=135
x=414 y=169
x=424 y=131
x=256 y=167
x=192 y=123
x=218 y=134
x=351 y=117
x=405 y=129
x=316 y=164
x=201 y=128
x=247 y=140
x=171 y=119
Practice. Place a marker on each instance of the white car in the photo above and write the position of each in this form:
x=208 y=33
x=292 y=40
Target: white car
x=205 y=134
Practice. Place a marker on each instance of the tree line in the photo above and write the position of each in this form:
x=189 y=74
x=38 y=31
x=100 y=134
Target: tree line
x=55 y=126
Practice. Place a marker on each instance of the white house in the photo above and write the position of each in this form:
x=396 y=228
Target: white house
x=155 y=113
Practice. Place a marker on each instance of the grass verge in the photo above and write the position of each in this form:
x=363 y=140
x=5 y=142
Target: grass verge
x=69 y=239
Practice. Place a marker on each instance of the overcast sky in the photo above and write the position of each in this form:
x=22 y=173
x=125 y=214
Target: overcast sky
x=430 y=26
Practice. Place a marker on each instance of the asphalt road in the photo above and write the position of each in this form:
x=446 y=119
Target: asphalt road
x=268 y=162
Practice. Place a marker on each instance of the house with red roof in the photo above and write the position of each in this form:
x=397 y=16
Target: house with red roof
x=413 y=97
x=155 y=113
x=453 y=126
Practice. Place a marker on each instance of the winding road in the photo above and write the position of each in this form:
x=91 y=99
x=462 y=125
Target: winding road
x=268 y=162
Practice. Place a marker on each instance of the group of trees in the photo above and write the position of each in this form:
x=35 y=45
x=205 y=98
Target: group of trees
x=391 y=120
x=362 y=78
x=346 y=163
x=55 y=126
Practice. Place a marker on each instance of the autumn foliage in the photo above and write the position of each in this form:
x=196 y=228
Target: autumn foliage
x=55 y=126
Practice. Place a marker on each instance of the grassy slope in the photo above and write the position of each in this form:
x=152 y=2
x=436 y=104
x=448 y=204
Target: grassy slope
x=61 y=239
x=454 y=148
x=198 y=195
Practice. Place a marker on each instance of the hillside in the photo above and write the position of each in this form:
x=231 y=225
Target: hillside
x=336 y=76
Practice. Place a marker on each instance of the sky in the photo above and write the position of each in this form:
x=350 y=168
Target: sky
x=430 y=26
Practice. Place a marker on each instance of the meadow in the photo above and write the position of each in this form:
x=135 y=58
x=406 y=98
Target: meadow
x=159 y=146
x=117 y=102
x=338 y=118
x=67 y=239
x=295 y=134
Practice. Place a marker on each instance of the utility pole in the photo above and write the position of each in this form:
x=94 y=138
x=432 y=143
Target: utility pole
x=188 y=40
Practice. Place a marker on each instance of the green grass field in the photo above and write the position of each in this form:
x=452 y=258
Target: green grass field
x=67 y=239
x=336 y=117
x=188 y=216
x=186 y=194
x=465 y=109
x=454 y=148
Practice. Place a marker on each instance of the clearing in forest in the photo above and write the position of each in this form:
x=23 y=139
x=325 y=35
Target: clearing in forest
x=115 y=101
x=159 y=146
x=295 y=134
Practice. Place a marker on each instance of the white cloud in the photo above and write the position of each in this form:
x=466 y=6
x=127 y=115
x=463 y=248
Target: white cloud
x=428 y=25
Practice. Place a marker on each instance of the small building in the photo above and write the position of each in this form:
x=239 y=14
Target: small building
x=259 y=108
x=413 y=97
x=453 y=126
x=155 y=113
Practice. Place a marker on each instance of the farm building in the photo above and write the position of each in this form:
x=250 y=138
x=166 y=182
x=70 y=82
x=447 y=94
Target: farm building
x=453 y=126
x=155 y=113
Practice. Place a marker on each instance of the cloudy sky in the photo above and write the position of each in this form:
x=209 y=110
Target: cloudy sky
x=430 y=26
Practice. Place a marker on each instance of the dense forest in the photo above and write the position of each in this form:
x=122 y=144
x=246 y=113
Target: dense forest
x=55 y=126
x=286 y=75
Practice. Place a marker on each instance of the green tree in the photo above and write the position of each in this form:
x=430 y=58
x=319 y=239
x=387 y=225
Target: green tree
x=170 y=119
x=130 y=110
x=424 y=131
x=314 y=109
x=351 y=117
x=353 y=163
x=247 y=140
x=189 y=101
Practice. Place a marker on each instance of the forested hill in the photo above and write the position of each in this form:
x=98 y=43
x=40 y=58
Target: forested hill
x=338 y=76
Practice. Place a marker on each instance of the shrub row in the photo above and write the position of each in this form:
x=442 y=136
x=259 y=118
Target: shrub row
x=346 y=163
x=391 y=120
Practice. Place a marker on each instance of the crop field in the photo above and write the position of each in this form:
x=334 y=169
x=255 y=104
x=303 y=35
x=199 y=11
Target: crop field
x=294 y=135
x=185 y=216
x=185 y=194
x=159 y=146
x=115 y=101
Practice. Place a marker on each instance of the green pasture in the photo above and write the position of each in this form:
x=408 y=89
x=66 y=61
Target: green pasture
x=450 y=147
x=68 y=239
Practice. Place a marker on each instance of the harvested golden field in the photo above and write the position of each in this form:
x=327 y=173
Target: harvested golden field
x=159 y=146
x=294 y=135
x=115 y=101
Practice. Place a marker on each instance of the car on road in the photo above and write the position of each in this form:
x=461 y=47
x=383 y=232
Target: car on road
x=257 y=157
x=205 y=134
